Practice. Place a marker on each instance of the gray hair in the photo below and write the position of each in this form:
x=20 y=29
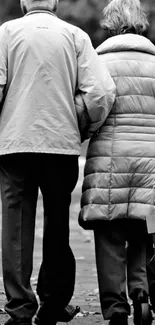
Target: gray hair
x=27 y=5
x=124 y=16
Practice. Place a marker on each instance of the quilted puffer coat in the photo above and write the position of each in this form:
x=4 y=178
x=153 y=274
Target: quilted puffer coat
x=119 y=175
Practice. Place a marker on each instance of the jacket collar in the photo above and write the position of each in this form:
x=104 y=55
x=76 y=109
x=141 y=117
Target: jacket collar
x=126 y=42
x=40 y=11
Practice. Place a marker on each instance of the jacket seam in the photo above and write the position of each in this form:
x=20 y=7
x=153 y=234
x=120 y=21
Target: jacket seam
x=134 y=60
x=131 y=95
x=137 y=77
x=118 y=188
x=110 y=180
x=132 y=115
x=127 y=203
x=125 y=156
x=120 y=173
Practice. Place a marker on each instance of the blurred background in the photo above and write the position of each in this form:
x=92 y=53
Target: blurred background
x=83 y=13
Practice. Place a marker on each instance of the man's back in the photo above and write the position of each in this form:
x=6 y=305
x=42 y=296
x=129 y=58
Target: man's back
x=43 y=61
x=42 y=74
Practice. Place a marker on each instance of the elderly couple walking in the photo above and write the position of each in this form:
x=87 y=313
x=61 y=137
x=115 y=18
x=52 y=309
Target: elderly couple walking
x=56 y=91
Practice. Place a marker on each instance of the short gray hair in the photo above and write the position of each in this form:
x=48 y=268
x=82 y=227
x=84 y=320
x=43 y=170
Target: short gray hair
x=27 y=5
x=124 y=16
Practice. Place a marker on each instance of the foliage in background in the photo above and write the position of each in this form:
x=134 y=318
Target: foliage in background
x=84 y=13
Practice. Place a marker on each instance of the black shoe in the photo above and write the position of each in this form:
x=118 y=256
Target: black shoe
x=23 y=321
x=152 y=297
x=66 y=315
x=45 y=316
x=142 y=314
x=119 y=319
x=142 y=311
x=45 y=321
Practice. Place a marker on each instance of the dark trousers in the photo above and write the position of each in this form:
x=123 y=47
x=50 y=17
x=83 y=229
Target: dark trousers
x=120 y=267
x=150 y=258
x=21 y=175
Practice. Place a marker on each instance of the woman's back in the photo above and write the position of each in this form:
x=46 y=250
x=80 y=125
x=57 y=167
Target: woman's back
x=120 y=167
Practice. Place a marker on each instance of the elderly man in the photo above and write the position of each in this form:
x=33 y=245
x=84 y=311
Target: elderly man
x=44 y=62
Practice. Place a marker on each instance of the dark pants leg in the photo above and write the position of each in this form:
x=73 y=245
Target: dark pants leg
x=136 y=257
x=57 y=273
x=150 y=262
x=111 y=268
x=115 y=262
x=19 y=192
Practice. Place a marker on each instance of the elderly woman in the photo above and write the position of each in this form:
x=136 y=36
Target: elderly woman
x=118 y=190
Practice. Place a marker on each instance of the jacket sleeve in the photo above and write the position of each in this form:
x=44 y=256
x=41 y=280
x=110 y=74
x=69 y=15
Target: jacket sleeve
x=86 y=126
x=94 y=84
x=3 y=60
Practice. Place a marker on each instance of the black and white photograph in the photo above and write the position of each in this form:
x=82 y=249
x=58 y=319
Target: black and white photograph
x=77 y=162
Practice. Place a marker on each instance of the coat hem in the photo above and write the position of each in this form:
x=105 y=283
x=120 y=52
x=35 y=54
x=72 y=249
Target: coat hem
x=36 y=150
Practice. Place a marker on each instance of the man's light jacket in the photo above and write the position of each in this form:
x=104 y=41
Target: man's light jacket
x=43 y=62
